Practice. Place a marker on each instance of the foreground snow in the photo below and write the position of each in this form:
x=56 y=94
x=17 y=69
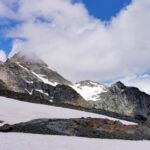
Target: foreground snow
x=14 y=111
x=13 y=141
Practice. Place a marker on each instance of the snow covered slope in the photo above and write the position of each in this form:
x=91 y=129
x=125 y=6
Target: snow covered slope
x=89 y=90
x=13 y=141
x=14 y=111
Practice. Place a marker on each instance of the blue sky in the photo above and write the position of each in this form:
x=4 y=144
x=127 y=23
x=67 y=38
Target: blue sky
x=6 y=42
x=105 y=9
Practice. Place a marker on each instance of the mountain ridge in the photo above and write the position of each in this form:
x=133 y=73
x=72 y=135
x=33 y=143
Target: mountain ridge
x=24 y=75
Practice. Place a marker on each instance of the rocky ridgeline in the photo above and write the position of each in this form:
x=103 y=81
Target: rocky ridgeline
x=125 y=100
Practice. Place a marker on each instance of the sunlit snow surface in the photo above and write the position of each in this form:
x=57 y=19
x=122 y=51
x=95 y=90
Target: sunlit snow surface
x=89 y=92
x=14 y=111
x=13 y=141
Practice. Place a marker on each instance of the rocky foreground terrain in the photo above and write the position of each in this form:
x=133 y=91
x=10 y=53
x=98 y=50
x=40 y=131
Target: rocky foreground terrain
x=84 y=127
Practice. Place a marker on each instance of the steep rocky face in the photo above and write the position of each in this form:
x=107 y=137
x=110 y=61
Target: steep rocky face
x=7 y=77
x=2 y=85
x=124 y=100
x=57 y=94
x=34 y=66
x=29 y=74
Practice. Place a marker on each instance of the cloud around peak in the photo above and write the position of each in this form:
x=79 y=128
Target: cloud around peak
x=140 y=81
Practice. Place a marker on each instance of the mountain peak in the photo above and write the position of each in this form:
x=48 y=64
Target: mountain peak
x=119 y=85
x=30 y=58
x=88 y=83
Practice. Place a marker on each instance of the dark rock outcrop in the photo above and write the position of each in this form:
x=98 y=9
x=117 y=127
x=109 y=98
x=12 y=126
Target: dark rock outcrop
x=58 y=94
x=6 y=128
x=84 y=127
x=1 y=121
x=3 y=85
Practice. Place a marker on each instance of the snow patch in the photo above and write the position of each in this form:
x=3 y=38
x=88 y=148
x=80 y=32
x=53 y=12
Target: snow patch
x=29 y=82
x=29 y=92
x=22 y=66
x=44 y=79
x=89 y=92
x=41 y=91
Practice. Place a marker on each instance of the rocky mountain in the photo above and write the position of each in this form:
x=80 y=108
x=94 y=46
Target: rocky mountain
x=24 y=73
x=124 y=100
x=117 y=98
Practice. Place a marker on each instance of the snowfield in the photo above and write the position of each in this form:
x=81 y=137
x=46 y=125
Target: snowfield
x=13 y=141
x=14 y=111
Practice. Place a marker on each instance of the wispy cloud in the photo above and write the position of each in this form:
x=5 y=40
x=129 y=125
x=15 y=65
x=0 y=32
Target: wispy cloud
x=140 y=81
x=2 y=56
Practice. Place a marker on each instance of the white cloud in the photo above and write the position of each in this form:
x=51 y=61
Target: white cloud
x=142 y=82
x=17 y=47
x=6 y=11
x=82 y=47
x=3 y=56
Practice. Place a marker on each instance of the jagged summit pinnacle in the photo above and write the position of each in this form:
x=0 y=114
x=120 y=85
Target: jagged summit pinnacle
x=30 y=58
x=119 y=84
